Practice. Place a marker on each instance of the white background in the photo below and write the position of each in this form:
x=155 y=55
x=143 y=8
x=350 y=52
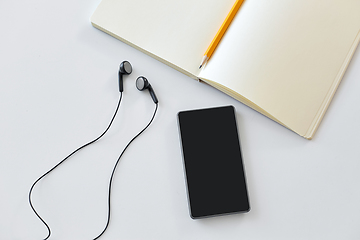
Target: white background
x=58 y=90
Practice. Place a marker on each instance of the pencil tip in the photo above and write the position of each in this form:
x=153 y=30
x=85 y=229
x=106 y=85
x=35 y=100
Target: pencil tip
x=203 y=61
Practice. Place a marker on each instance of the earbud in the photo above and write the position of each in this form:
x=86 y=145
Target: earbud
x=142 y=83
x=124 y=69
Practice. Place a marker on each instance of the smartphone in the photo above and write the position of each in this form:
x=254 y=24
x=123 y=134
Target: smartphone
x=213 y=165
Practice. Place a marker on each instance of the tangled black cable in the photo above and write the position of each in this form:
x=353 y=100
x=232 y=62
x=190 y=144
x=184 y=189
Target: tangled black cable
x=112 y=174
x=113 y=171
x=87 y=144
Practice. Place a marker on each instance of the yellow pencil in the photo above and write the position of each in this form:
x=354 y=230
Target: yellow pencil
x=221 y=32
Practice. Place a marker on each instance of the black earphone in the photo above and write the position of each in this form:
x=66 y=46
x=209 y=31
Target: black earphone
x=124 y=69
x=141 y=84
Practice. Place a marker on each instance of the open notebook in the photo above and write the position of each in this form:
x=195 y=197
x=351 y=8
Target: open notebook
x=285 y=59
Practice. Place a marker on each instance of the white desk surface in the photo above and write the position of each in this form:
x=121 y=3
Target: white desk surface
x=58 y=90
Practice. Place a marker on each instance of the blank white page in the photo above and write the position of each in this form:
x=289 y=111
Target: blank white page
x=285 y=56
x=175 y=32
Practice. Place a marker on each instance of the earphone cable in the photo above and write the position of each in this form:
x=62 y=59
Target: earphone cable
x=33 y=185
x=113 y=171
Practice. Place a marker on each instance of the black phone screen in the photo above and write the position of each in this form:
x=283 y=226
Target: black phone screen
x=213 y=163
